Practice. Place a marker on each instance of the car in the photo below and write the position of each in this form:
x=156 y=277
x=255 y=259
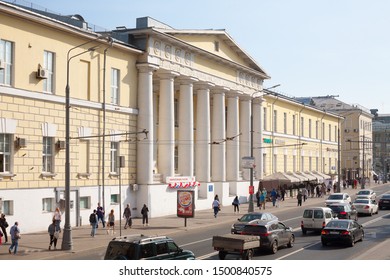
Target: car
x=366 y=206
x=337 y=198
x=384 y=201
x=141 y=247
x=342 y=231
x=249 y=217
x=273 y=234
x=344 y=211
x=366 y=193
x=315 y=218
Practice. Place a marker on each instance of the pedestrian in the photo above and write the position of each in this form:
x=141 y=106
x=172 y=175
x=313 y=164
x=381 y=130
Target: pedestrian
x=216 y=197
x=3 y=227
x=144 y=213
x=283 y=192
x=111 y=223
x=216 y=206
x=299 y=198
x=304 y=194
x=100 y=214
x=57 y=218
x=127 y=216
x=53 y=234
x=278 y=199
x=93 y=220
x=273 y=197
x=258 y=198
x=236 y=205
x=262 y=200
x=322 y=190
x=15 y=236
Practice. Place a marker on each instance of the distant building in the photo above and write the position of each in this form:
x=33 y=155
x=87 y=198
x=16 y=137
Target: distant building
x=381 y=147
x=356 y=138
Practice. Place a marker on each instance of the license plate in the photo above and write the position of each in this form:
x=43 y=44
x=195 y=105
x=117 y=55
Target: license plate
x=386 y=201
x=334 y=232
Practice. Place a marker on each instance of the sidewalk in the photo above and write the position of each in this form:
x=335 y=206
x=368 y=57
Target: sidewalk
x=34 y=246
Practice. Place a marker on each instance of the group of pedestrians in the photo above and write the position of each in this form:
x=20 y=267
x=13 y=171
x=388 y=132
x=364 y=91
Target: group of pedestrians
x=14 y=232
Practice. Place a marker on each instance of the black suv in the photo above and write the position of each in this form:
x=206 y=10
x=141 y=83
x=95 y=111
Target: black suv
x=140 y=247
x=273 y=234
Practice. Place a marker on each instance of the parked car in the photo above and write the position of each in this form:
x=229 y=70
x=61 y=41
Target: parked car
x=384 y=201
x=273 y=234
x=315 y=218
x=344 y=211
x=366 y=206
x=249 y=217
x=342 y=231
x=338 y=198
x=366 y=193
x=140 y=247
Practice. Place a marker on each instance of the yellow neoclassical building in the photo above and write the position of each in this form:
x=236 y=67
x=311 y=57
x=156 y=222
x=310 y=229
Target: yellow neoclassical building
x=182 y=107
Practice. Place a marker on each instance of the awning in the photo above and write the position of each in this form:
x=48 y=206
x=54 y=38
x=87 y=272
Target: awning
x=320 y=179
x=326 y=177
x=281 y=177
x=309 y=177
x=300 y=177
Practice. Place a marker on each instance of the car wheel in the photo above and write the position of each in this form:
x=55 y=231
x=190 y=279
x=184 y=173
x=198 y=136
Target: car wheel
x=274 y=247
x=371 y=213
x=377 y=210
x=222 y=255
x=290 y=243
x=324 y=243
x=248 y=255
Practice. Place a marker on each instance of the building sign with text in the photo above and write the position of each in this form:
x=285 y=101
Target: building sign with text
x=182 y=182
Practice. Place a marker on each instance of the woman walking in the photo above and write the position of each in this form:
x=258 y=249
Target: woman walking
x=111 y=222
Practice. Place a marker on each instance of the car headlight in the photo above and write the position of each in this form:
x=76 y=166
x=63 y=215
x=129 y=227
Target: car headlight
x=232 y=226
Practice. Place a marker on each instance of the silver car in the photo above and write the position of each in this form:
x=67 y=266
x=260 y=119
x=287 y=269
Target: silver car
x=366 y=206
x=251 y=217
x=366 y=193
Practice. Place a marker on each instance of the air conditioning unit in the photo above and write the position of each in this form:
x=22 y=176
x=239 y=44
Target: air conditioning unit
x=2 y=64
x=60 y=145
x=346 y=130
x=21 y=142
x=356 y=130
x=42 y=73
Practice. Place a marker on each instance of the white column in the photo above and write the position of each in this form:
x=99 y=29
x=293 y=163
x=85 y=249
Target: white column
x=232 y=143
x=218 y=137
x=186 y=128
x=245 y=129
x=145 y=121
x=166 y=126
x=202 y=143
x=258 y=136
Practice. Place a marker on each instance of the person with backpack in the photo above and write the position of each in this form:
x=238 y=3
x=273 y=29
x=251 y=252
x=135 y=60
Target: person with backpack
x=93 y=220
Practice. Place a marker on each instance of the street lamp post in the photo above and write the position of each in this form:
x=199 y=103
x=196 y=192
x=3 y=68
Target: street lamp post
x=251 y=206
x=67 y=243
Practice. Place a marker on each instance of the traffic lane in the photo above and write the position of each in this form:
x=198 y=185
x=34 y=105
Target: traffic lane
x=376 y=230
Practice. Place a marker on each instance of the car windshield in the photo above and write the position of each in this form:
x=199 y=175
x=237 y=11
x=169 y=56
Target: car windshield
x=335 y=196
x=250 y=217
x=363 y=201
x=386 y=196
x=363 y=192
x=338 y=224
x=336 y=208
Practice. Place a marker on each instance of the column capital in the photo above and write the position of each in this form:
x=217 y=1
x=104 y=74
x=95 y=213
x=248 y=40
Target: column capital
x=204 y=85
x=167 y=74
x=184 y=80
x=220 y=89
x=234 y=94
x=147 y=67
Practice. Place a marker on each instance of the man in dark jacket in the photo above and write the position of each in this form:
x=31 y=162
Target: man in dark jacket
x=127 y=216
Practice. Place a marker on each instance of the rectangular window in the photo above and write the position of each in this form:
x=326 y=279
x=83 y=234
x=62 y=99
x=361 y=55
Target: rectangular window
x=48 y=65
x=275 y=164
x=7 y=207
x=5 y=153
x=265 y=163
x=114 y=198
x=275 y=120
x=294 y=125
x=294 y=163
x=84 y=157
x=317 y=127
x=115 y=86
x=323 y=131
x=265 y=118
x=6 y=57
x=114 y=153
x=285 y=123
x=302 y=163
x=309 y=128
x=48 y=204
x=302 y=126
x=330 y=132
x=335 y=133
x=48 y=155
x=85 y=202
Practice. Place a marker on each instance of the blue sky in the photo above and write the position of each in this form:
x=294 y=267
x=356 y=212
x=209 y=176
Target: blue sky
x=311 y=48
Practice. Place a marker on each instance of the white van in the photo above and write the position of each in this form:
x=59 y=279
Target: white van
x=315 y=218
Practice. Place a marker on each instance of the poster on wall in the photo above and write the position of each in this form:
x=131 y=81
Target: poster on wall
x=185 y=203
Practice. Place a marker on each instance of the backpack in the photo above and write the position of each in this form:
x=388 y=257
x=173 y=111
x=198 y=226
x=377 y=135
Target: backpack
x=92 y=218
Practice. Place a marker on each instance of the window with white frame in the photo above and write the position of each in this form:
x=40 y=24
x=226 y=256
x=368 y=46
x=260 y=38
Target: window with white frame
x=317 y=127
x=6 y=57
x=302 y=126
x=275 y=120
x=302 y=163
x=85 y=202
x=265 y=163
x=48 y=204
x=48 y=65
x=115 y=86
x=294 y=124
x=285 y=123
x=294 y=163
x=330 y=132
x=114 y=153
x=114 y=198
x=7 y=207
x=309 y=128
x=265 y=118
x=48 y=155
x=5 y=153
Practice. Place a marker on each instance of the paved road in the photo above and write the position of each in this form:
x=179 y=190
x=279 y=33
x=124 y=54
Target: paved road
x=34 y=246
